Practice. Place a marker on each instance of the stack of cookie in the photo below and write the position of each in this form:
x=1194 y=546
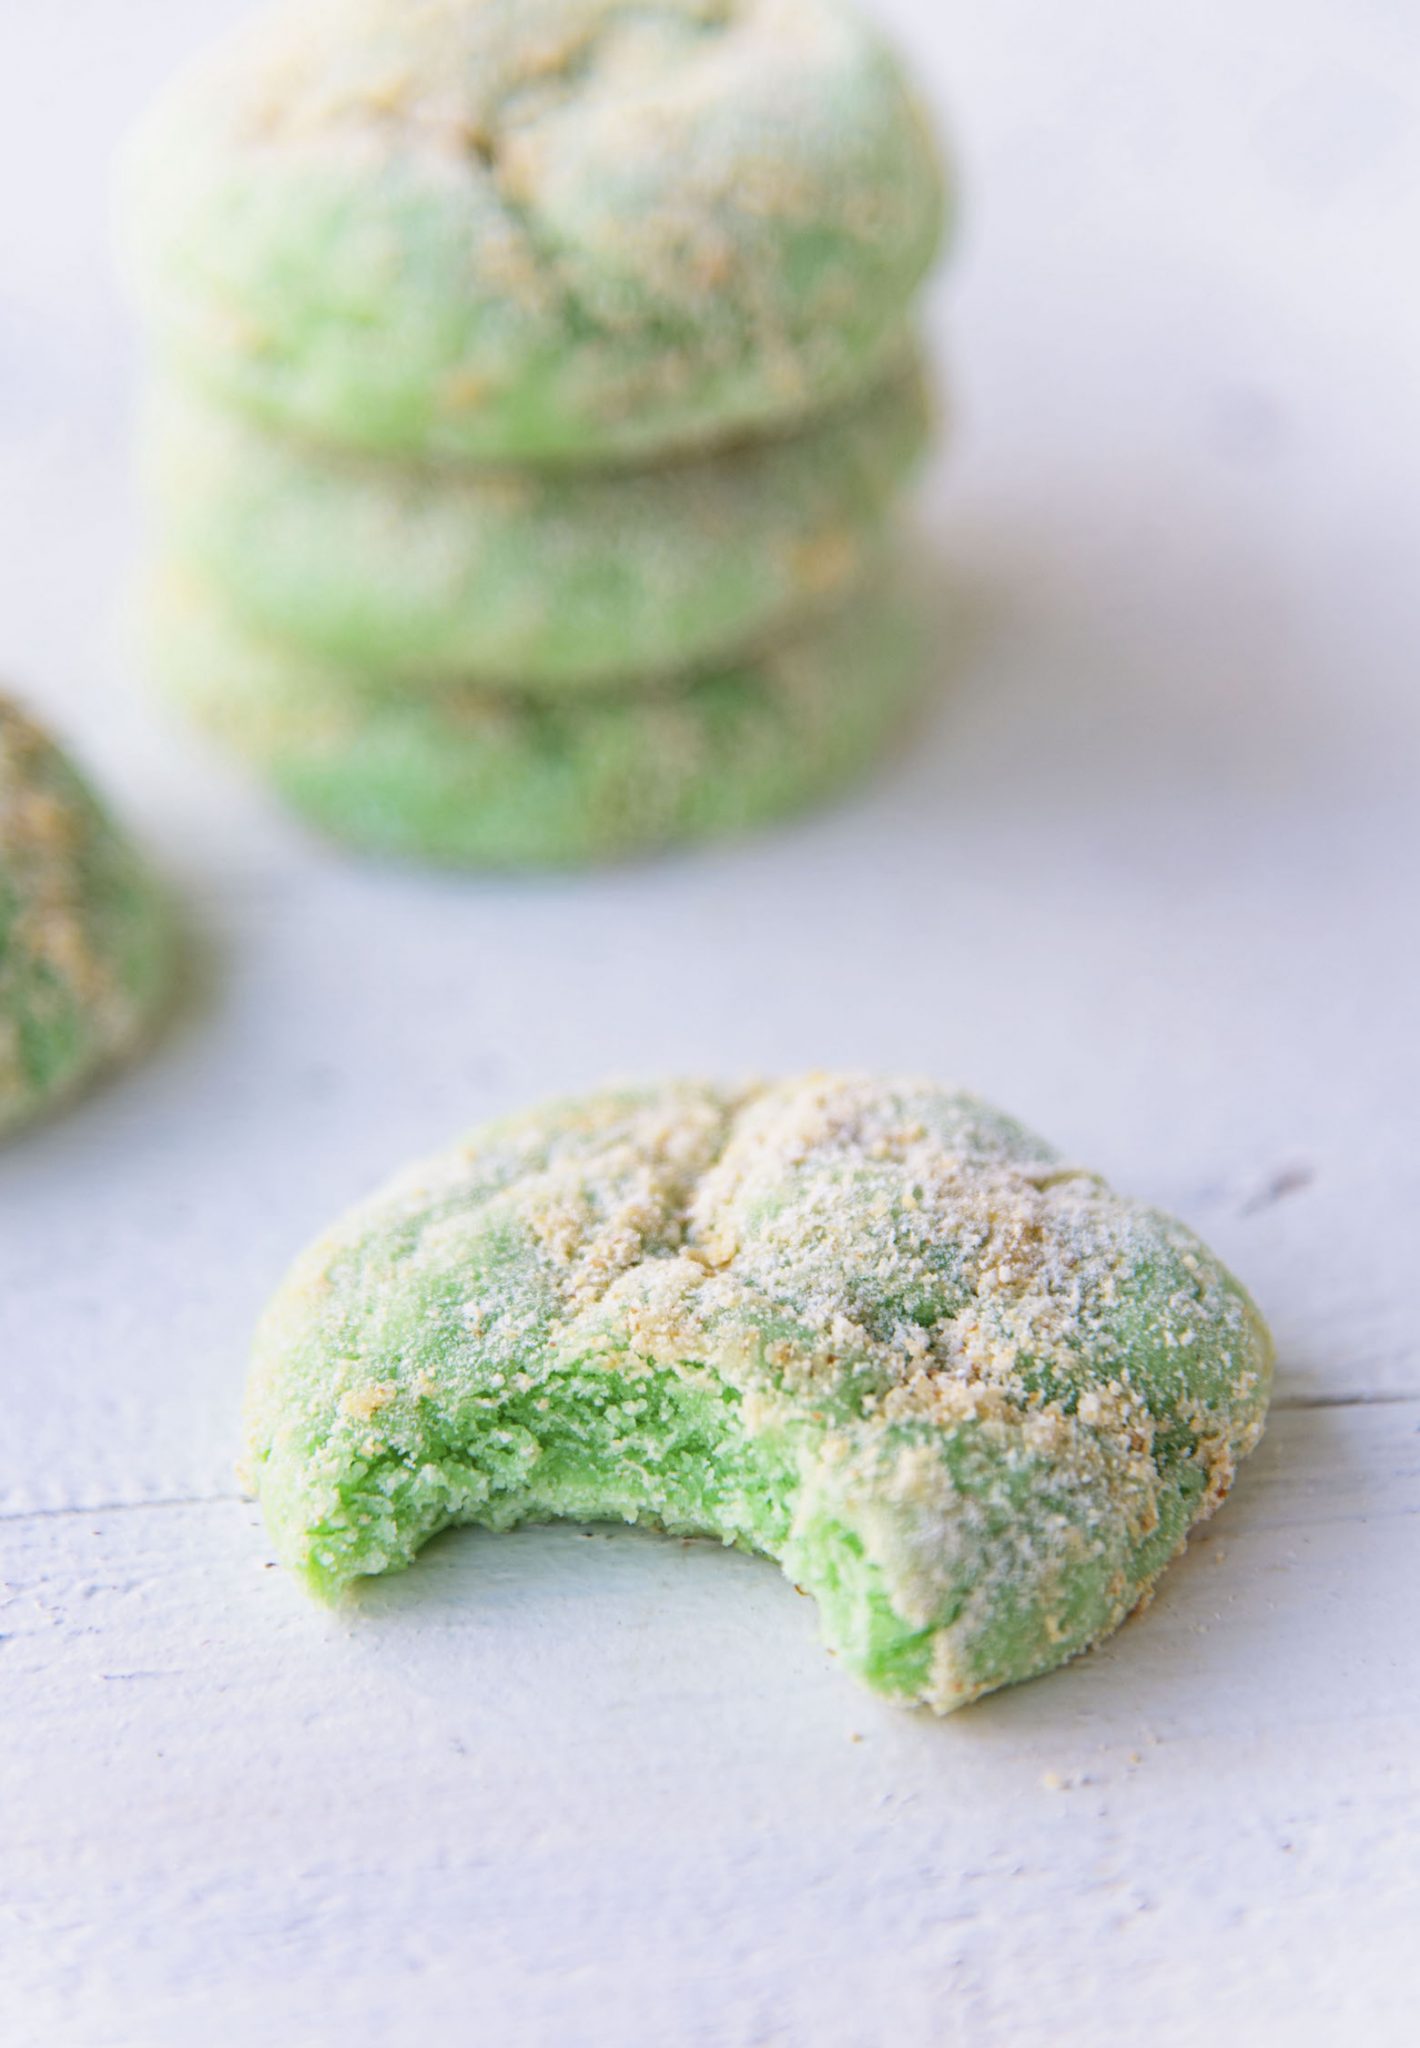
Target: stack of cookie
x=536 y=390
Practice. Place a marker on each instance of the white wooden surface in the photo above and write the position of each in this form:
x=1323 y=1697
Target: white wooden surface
x=1148 y=877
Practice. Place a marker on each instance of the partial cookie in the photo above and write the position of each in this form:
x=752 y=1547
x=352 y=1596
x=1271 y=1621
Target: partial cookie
x=85 y=934
x=529 y=230
x=467 y=777
x=967 y=1396
x=535 y=580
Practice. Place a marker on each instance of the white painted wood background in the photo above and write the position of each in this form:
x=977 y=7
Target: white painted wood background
x=1148 y=876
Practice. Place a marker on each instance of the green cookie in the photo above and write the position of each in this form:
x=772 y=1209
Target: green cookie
x=85 y=936
x=471 y=778
x=969 y=1398
x=536 y=580
x=535 y=230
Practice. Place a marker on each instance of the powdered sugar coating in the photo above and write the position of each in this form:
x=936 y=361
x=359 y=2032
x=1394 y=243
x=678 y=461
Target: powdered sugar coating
x=537 y=229
x=971 y=1399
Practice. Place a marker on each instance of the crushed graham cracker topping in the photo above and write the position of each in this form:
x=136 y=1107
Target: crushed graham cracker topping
x=902 y=1254
x=948 y=1353
x=77 y=917
x=648 y=202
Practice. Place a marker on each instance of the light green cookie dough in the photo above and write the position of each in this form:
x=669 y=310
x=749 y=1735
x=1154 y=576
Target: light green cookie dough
x=968 y=1397
x=536 y=580
x=467 y=777
x=536 y=230
x=85 y=934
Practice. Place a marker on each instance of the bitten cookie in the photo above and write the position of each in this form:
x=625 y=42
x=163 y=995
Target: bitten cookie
x=531 y=230
x=85 y=934
x=537 y=581
x=967 y=1396
x=467 y=777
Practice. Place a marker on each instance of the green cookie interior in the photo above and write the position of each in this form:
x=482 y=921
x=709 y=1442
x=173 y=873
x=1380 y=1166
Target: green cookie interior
x=473 y=778
x=536 y=230
x=969 y=1398
x=85 y=934
x=537 y=581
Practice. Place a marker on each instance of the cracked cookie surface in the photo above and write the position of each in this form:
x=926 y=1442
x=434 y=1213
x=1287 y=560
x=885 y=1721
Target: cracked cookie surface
x=968 y=1397
x=532 y=230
